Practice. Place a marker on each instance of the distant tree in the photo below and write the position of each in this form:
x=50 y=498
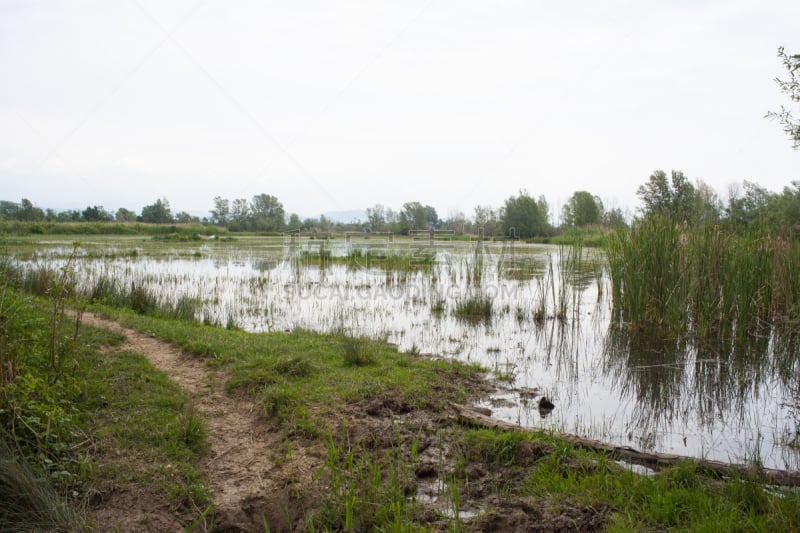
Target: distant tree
x=486 y=220
x=125 y=215
x=222 y=211
x=267 y=213
x=69 y=215
x=376 y=217
x=582 y=209
x=414 y=216
x=240 y=213
x=157 y=213
x=674 y=198
x=613 y=218
x=790 y=86
x=431 y=217
x=456 y=221
x=747 y=209
x=525 y=217
x=311 y=224
x=185 y=218
x=707 y=207
x=294 y=222
x=96 y=213
x=29 y=212
x=8 y=210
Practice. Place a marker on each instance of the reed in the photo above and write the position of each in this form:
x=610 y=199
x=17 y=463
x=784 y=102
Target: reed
x=705 y=280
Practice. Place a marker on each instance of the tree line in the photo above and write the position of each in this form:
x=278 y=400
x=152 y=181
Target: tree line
x=521 y=215
x=747 y=206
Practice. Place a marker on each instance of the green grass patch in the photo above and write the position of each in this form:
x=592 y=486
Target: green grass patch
x=542 y=468
x=474 y=309
x=96 y=420
x=303 y=371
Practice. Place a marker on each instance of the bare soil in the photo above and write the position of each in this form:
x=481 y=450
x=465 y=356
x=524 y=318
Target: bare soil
x=256 y=478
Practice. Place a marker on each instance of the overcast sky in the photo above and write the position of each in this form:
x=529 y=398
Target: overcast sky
x=344 y=104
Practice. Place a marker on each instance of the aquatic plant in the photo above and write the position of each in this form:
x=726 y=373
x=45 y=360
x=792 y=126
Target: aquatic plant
x=474 y=308
x=704 y=280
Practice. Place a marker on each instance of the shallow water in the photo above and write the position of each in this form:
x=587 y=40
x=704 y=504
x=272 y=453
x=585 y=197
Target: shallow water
x=731 y=402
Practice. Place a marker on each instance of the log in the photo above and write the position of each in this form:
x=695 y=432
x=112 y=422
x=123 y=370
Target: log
x=474 y=416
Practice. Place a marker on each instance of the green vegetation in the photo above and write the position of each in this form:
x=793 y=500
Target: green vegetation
x=105 y=228
x=64 y=405
x=58 y=419
x=474 y=308
x=525 y=217
x=288 y=372
x=358 y=258
x=790 y=86
x=704 y=280
x=566 y=479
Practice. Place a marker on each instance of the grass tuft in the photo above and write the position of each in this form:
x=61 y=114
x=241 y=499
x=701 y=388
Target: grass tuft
x=474 y=309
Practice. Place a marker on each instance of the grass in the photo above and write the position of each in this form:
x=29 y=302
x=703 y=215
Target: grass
x=30 y=503
x=358 y=258
x=111 y=420
x=295 y=374
x=87 y=423
x=545 y=469
x=474 y=308
x=705 y=281
x=304 y=379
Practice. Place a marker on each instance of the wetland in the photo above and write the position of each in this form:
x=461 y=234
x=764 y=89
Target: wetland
x=539 y=318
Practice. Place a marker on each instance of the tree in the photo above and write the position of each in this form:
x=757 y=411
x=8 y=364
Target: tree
x=415 y=216
x=294 y=222
x=582 y=209
x=376 y=216
x=185 y=218
x=613 y=218
x=8 y=210
x=267 y=213
x=431 y=217
x=707 y=206
x=791 y=87
x=222 y=211
x=96 y=214
x=157 y=213
x=71 y=215
x=486 y=220
x=29 y=212
x=673 y=198
x=524 y=217
x=240 y=211
x=749 y=209
x=456 y=221
x=125 y=215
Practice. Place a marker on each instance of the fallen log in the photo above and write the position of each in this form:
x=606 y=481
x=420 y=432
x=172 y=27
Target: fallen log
x=476 y=416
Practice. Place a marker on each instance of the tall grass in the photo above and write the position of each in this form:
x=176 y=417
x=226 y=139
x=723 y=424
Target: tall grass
x=142 y=299
x=703 y=280
x=28 y=503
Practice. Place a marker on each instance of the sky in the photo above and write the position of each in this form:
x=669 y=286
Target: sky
x=341 y=105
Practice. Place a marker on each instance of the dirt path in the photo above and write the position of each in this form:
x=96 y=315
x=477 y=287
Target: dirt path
x=248 y=487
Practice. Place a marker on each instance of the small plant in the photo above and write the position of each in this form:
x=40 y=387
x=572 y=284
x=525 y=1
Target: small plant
x=474 y=308
x=193 y=431
x=357 y=351
x=63 y=327
x=438 y=307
